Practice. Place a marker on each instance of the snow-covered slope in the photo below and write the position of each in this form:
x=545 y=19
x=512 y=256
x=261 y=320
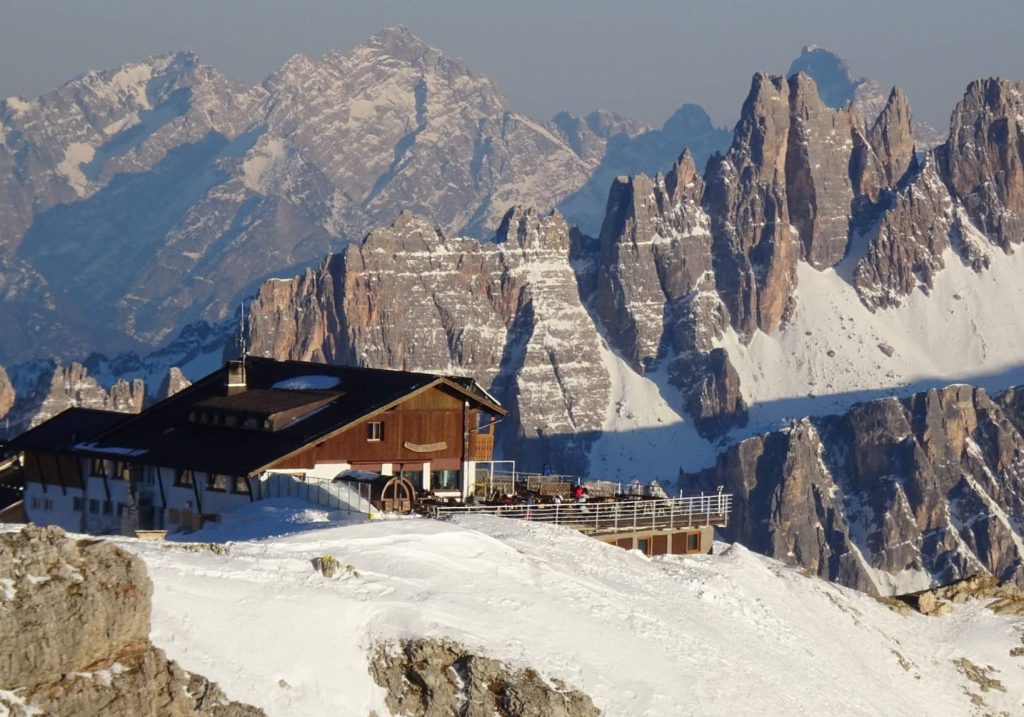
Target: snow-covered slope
x=728 y=634
x=834 y=351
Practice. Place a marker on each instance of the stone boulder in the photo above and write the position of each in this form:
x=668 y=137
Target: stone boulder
x=74 y=623
x=436 y=678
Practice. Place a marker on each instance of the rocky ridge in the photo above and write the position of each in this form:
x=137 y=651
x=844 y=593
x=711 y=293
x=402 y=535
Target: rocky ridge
x=75 y=620
x=894 y=496
x=433 y=678
x=839 y=88
x=42 y=390
x=238 y=181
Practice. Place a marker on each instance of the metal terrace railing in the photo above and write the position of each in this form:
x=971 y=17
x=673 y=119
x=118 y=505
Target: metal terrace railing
x=504 y=482
x=611 y=516
x=339 y=496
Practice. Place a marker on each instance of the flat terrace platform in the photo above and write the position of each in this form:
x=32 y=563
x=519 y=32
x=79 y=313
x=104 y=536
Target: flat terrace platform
x=605 y=517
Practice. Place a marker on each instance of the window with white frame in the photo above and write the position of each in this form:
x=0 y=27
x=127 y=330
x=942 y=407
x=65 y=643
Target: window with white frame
x=375 y=431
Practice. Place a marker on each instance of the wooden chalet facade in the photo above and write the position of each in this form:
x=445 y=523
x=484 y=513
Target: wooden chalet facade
x=220 y=442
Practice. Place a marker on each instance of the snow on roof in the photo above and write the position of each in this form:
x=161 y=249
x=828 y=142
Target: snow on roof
x=308 y=383
x=357 y=475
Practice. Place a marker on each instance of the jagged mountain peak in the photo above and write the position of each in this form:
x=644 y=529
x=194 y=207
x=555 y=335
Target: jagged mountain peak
x=837 y=83
x=839 y=88
x=397 y=39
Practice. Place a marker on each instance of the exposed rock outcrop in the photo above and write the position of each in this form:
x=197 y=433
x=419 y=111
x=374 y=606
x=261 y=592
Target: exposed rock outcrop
x=1003 y=598
x=434 y=678
x=894 y=495
x=74 y=622
x=983 y=158
x=969 y=193
x=71 y=386
x=173 y=382
x=840 y=89
x=755 y=247
x=7 y=393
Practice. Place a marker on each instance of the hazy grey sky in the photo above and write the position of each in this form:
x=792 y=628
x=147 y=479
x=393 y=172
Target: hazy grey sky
x=641 y=58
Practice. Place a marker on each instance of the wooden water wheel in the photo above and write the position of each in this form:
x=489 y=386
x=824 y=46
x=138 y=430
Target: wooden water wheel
x=398 y=495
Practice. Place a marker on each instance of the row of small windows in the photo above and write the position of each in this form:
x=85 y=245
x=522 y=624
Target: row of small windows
x=119 y=470
x=230 y=420
x=218 y=482
x=78 y=505
x=182 y=477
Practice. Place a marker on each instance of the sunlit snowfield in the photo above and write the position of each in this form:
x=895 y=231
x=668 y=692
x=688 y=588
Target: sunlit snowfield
x=728 y=634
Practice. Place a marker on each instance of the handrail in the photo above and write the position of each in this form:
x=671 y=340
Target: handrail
x=611 y=516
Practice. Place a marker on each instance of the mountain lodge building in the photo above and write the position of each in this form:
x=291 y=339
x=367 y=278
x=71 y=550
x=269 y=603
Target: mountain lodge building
x=250 y=428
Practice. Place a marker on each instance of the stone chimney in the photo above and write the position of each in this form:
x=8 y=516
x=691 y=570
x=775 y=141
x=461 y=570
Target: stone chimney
x=234 y=379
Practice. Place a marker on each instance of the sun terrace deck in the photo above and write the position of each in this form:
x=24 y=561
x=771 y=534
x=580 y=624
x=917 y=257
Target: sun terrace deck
x=610 y=517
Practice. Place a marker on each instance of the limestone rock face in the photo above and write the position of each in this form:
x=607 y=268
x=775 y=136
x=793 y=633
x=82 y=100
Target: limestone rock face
x=891 y=137
x=755 y=247
x=433 y=678
x=507 y=313
x=906 y=248
x=655 y=292
x=72 y=386
x=74 y=620
x=37 y=391
x=655 y=257
x=984 y=155
x=894 y=496
x=840 y=89
x=173 y=382
x=968 y=194
x=84 y=601
x=819 y=191
x=7 y=393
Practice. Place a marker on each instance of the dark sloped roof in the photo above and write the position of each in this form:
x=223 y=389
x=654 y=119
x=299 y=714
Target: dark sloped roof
x=68 y=428
x=162 y=434
x=267 y=401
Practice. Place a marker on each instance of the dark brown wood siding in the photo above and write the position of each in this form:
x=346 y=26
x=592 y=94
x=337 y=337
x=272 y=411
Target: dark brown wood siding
x=432 y=417
x=57 y=469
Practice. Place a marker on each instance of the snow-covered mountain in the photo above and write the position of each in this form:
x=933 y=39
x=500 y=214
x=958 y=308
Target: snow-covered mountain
x=140 y=199
x=725 y=634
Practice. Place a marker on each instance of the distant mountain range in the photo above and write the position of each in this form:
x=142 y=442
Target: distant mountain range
x=136 y=200
x=826 y=253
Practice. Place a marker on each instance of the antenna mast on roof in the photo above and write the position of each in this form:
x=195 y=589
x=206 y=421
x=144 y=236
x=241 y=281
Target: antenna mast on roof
x=241 y=335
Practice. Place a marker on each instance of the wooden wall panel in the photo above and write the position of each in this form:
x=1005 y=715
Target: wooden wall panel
x=437 y=398
x=412 y=421
x=659 y=544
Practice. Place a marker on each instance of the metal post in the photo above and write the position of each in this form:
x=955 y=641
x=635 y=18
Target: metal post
x=635 y=502
x=672 y=515
x=597 y=516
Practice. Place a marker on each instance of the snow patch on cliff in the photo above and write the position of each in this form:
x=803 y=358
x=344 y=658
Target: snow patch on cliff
x=70 y=167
